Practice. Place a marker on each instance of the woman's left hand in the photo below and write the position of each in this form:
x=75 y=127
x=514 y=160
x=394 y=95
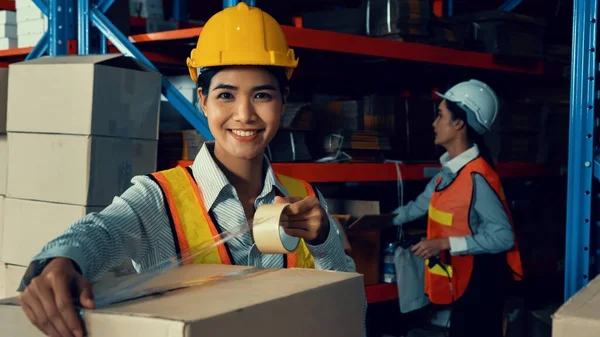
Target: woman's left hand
x=428 y=248
x=305 y=218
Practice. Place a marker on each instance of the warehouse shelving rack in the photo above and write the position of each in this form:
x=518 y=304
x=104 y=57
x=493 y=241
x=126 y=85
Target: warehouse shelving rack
x=81 y=27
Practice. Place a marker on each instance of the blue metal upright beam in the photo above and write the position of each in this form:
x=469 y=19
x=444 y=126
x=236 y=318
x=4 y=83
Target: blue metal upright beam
x=83 y=27
x=229 y=3
x=180 y=10
x=581 y=135
x=60 y=26
x=509 y=5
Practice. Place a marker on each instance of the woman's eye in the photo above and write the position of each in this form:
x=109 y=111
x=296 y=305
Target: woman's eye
x=263 y=95
x=225 y=95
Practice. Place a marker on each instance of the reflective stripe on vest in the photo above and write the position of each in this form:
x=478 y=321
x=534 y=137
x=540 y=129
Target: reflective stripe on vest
x=449 y=216
x=191 y=232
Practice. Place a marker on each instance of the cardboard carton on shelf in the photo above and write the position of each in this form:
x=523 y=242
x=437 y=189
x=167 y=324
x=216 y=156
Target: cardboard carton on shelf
x=3 y=98
x=78 y=170
x=3 y=163
x=8 y=17
x=196 y=300
x=361 y=224
x=23 y=217
x=10 y=279
x=108 y=95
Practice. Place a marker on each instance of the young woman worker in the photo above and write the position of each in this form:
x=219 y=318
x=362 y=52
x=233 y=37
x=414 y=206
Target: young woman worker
x=242 y=65
x=469 y=232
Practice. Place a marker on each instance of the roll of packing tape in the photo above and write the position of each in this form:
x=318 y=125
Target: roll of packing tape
x=269 y=236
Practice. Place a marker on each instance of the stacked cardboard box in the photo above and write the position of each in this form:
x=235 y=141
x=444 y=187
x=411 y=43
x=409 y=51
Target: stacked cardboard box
x=31 y=23
x=8 y=30
x=149 y=9
x=75 y=146
x=3 y=170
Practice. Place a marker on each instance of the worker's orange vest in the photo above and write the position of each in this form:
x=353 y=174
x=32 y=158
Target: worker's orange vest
x=193 y=228
x=449 y=216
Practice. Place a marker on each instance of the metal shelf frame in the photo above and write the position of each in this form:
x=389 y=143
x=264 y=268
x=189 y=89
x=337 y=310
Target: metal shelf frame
x=581 y=164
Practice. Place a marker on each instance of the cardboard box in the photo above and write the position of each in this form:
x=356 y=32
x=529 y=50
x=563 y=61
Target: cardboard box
x=29 y=40
x=8 y=18
x=580 y=315
x=24 y=237
x=105 y=95
x=3 y=98
x=363 y=223
x=34 y=26
x=77 y=170
x=7 y=43
x=272 y=302
x=9 y=31
x=3 y=163
x=27 y=12
x=10 y=279
x=1 y=224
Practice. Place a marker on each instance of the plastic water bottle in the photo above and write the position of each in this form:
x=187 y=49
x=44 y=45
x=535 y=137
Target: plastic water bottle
x=389 y=268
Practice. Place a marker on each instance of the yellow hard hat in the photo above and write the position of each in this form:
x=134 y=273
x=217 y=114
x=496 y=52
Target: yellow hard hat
x=241 y=35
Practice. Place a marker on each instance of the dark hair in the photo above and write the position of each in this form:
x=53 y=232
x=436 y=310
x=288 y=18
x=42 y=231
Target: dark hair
x=207 y=74
x=458 y=113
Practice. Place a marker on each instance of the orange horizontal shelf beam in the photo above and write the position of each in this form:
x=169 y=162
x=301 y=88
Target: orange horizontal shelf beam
x=381 y=292
x=15 y=52
x=373 y=172
x=353 y=44
x=369 y=46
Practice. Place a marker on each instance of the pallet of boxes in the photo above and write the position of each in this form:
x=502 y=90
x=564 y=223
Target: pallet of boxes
x=79 y=128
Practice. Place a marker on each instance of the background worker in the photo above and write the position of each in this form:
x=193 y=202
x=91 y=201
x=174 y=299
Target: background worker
x=243 y=99
x=469 y=224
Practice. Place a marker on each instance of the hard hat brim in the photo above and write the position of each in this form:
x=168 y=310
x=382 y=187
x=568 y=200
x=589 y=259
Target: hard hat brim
x=446 y=97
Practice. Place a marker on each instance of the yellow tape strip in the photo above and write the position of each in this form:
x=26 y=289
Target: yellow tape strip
x=438 y=270
x=440 y=217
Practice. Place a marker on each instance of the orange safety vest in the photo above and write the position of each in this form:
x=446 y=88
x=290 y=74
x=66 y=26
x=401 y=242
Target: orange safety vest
x=449 y=216
x=193 y=227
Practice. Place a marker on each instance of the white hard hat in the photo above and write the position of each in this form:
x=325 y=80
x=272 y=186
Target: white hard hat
x=479 y=99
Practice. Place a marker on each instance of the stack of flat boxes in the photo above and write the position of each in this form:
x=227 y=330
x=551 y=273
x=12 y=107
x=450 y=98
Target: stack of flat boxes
x=74 y=145
x=31 y=23
x=8 y=30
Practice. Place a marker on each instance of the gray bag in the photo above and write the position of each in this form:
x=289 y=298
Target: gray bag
x=410 y=278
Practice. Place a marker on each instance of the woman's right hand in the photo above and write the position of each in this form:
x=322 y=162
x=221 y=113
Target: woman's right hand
x=48 y=299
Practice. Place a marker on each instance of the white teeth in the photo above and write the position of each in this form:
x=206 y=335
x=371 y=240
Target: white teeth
x=243 y=133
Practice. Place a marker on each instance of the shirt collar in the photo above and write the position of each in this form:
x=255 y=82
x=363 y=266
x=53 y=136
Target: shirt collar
x=211 y=180
x=458 y=162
